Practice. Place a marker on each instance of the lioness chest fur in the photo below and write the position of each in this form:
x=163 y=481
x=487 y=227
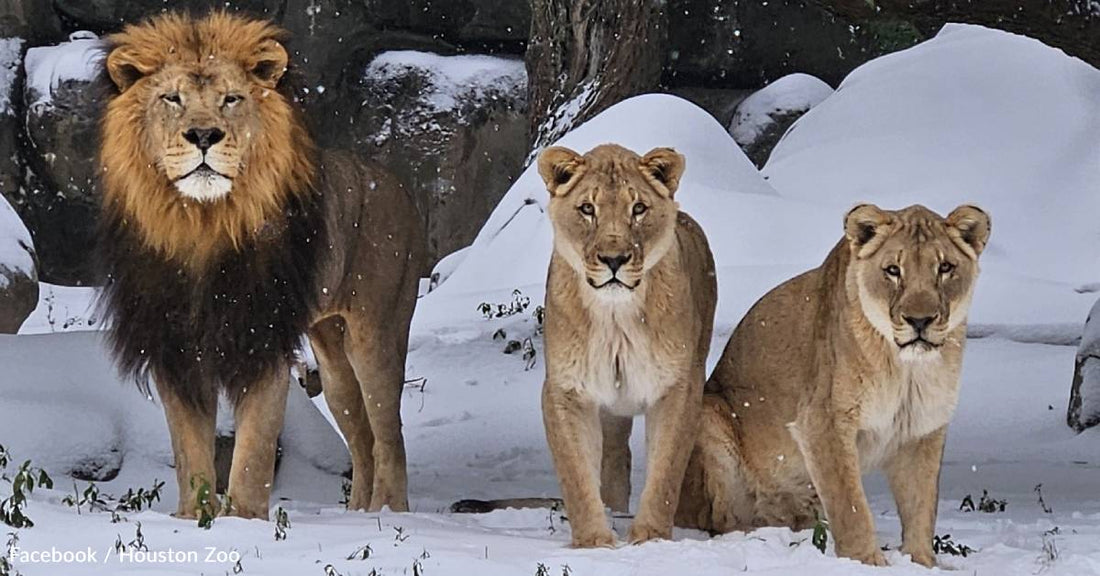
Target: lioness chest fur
x=850 y=367
x=629 y=311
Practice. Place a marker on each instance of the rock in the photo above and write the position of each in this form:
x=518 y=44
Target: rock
x=1084 y=394
x=453 y=128
x=18 y=273
x=483 y=25
x=31 y=20
x=103 y=16
x=761 y=120
x=748 y=44
x=59 y=198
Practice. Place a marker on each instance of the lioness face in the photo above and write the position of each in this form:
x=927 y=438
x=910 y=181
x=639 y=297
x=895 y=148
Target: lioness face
x=613 y=212
x=201 y=113
x=915 y=272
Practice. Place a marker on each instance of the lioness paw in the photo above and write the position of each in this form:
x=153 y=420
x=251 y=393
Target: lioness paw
x=872 y=558
x=642 y=532
x=599 y=539
x=923 y=557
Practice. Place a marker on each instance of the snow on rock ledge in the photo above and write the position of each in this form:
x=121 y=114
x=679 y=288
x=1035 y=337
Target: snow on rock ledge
x=1084 y=396
x=18 y=276
x=761 y=119
x=49 y=67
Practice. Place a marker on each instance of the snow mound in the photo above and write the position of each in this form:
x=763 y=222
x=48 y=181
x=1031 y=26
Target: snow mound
x=451 y=80
x=789 y=94
x=974 y=115
x=9 y=64
x=50 y=66
x=720 y=188
x=16 y=247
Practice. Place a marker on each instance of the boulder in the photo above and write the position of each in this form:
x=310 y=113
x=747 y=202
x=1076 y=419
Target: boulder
x=59 y=199
x=483 y=25
x=18 y=275
x=761 y=120
x=1084 y=393
x=453 y=128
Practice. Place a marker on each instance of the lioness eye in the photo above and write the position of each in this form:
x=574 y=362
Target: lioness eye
x=172 y=98
x=640 y=209
x=231 y=99
x=587 y=209
x=893 y=270
x=946 y=267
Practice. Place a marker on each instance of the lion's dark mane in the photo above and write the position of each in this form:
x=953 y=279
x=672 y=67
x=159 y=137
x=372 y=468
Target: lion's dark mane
x=236 y=322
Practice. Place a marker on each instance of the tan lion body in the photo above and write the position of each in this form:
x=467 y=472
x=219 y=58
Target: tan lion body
x=208 y=171
x=814 y=387
x=614 y=352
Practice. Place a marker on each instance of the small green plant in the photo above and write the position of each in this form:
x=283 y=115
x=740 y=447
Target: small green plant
x=238 y=568
x=1042 y=503
x=206 y=502
x=345 y=492
x=6 y=567
x=131 y=502
x=518 y=305
x=282 y=523
x=138 y=543
x=542 y=570
x=361 y=553
x=330 y=570
x=820 y=539
x=985 y=504
x=1049 y=553
x=23 y=483
x=945 y=545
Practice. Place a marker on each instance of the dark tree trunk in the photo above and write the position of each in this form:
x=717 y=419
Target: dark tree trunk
x=585 y=55
x=1072 y=25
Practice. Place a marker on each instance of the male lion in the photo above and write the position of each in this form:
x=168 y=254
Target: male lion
x=226 y=236
x=851 y=366
x=629 y=311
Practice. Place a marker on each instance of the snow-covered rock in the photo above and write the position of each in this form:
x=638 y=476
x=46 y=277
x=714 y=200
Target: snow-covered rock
x=1084 y=395
x=761 y=119
x=453 y=128
x=51 y=67
x=18 y=275
x=10 y=49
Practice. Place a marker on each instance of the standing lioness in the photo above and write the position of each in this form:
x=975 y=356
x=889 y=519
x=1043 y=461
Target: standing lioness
x=629 y=310
x=848 y=367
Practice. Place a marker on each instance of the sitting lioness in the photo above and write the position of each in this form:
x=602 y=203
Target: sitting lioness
x=849 y=367
x=629 y=311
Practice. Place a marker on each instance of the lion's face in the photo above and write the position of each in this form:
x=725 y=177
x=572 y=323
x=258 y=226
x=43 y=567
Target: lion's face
x=915 y=271
x=613 y=212
x=201 y=102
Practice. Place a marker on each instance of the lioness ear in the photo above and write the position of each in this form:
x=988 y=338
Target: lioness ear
x=268 y=63
x=126 y=66
x=663 y=166
x=558 y=166
x=969 y=228
x=865 y=227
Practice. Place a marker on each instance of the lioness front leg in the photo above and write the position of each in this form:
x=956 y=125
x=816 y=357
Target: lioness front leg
x=572 y=423
x=829 y=450
x=191 y=428
x=671 y=425
x=914 y=474
x=259 y=419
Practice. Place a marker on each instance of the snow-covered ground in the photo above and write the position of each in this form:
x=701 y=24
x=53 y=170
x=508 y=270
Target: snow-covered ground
x=937 y=124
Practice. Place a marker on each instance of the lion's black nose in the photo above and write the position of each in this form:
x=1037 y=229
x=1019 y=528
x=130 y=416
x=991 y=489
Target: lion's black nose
x=204 y=138
x=919 y=323
x=615 y=262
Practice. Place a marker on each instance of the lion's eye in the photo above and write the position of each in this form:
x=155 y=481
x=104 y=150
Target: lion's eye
x=946 y=267
x=231 y=99
x=893 y=271
x=640 y=209
x=172 y=98
x=587 y=209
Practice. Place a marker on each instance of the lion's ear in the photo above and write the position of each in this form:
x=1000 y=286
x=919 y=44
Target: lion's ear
x=969 y=228
x=663 y=166
x=558 y=167
x=268 y=63
x=126 y=66
x=865 y=227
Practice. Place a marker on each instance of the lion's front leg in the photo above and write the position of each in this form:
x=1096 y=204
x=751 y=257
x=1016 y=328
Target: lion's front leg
x=914 y=474
x=671 y=425
x=832 y=459
x=573 y=431
x=259 y=419
x=191 y=427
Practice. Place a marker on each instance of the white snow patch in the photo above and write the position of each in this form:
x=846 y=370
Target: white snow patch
x=16 y=247
x=452 y=80
x=10 y=49
x=791 y=93
x=49 y=66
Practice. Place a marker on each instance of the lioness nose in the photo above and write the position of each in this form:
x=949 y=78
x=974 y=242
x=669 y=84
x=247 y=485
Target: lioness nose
x=919 y=323
x=204 y=138
x=615 y=262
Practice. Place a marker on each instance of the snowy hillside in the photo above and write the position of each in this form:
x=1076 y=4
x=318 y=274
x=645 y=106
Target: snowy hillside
x=971 y=116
